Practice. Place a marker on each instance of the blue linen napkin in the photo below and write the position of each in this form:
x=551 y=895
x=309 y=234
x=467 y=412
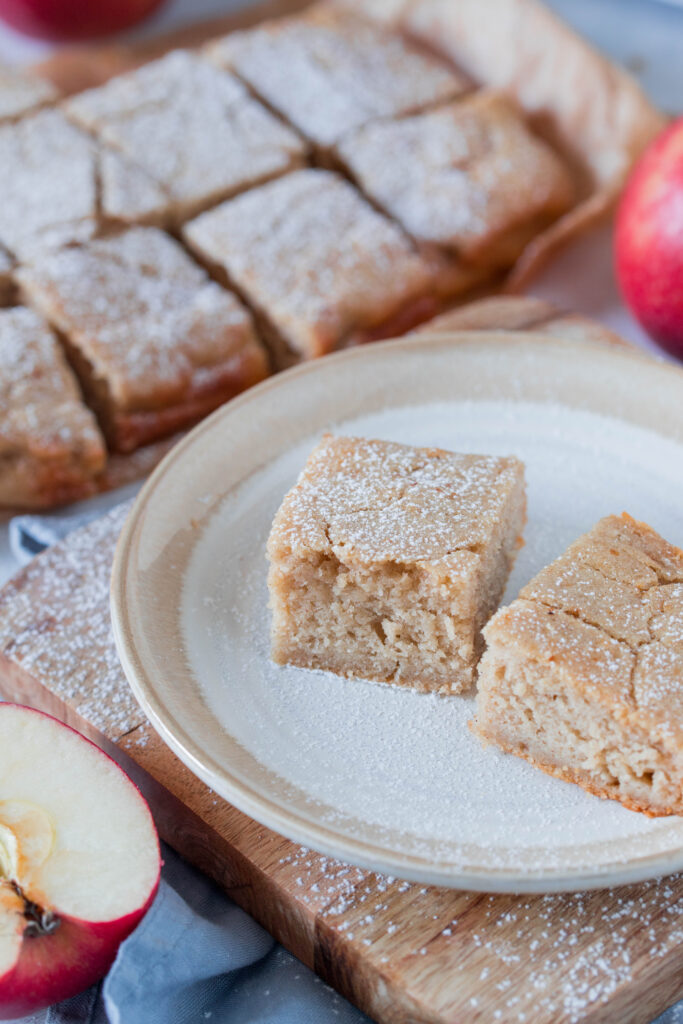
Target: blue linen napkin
x=196 y=957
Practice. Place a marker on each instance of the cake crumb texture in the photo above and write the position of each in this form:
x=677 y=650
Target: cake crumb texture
x=583 y=673
x=386 y=560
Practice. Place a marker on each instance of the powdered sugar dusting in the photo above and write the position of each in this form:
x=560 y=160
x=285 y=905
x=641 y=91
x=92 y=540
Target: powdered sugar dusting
x=546 y=957
x=194 y=129
x=329 y=72
x=55 y=624
x=57 y=185
x=399 y=766
x=312 y=253
x=378 y=501
x=43 y=415
x=480 y=173
x=143 y=313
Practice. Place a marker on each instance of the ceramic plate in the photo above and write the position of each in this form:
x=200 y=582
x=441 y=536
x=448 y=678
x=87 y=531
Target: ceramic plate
x=379 y=776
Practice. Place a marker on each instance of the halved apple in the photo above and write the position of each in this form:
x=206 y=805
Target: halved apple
x=79 y=861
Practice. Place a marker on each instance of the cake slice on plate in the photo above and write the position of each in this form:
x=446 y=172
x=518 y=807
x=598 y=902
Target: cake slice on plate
x=386 y=561
x=583 y=673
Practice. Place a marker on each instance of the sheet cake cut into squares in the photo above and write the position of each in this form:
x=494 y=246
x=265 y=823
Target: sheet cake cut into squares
x=320 y=265
x=387 y=560
x=193 y=128
x=156 y=344
x=22 y=93
x=51 y=449
x=468 y=178
x=583 y=673
x=58 y=186
x=329 y=71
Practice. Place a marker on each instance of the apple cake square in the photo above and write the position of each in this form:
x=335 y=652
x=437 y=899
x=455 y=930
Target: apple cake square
x=468 y=178
x=155 y=343
x=322 y=268
x=583 y=673
x=329 y=71
x=386 y=561
x=191 y=127
x=21 y=93
x=58 y=186
x=51 y=449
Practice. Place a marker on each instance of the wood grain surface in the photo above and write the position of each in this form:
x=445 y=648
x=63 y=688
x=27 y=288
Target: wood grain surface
x=402 y=952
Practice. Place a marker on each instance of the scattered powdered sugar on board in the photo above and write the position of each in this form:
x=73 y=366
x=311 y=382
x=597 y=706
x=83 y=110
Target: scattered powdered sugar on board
x=55 y=624
x=572 y=951
x=394 y=764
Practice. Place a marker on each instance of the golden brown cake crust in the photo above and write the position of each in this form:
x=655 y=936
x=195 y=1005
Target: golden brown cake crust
x=468 y=177
x=329 y=72
x=156 y=344
x=128 y=431
x=386 y=560
x=591 y=110
x=6 y=281
x=377 y=501
x=50 y=447
x=605 y=623
x=583 y=779
x=193 y=128
x=316 y=261
x=60 y=187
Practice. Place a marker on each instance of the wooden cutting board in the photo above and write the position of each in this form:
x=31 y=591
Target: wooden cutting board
x=404 y=953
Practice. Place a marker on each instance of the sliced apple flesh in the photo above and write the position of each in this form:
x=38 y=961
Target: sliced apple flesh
x=79 y=861
x=9 y=853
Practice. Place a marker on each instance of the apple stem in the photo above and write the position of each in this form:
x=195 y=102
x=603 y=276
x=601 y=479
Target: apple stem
x=40 y=921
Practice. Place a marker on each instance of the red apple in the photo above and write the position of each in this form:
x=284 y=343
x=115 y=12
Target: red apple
x=79 y=861
x=74 y=19
x=649 y=240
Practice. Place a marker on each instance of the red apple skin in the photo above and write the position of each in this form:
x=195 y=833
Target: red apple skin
x=66 y=20
x=649 y=240
x=55 y=967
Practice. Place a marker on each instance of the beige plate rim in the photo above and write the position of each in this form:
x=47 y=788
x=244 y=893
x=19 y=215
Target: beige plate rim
x=634 y=374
